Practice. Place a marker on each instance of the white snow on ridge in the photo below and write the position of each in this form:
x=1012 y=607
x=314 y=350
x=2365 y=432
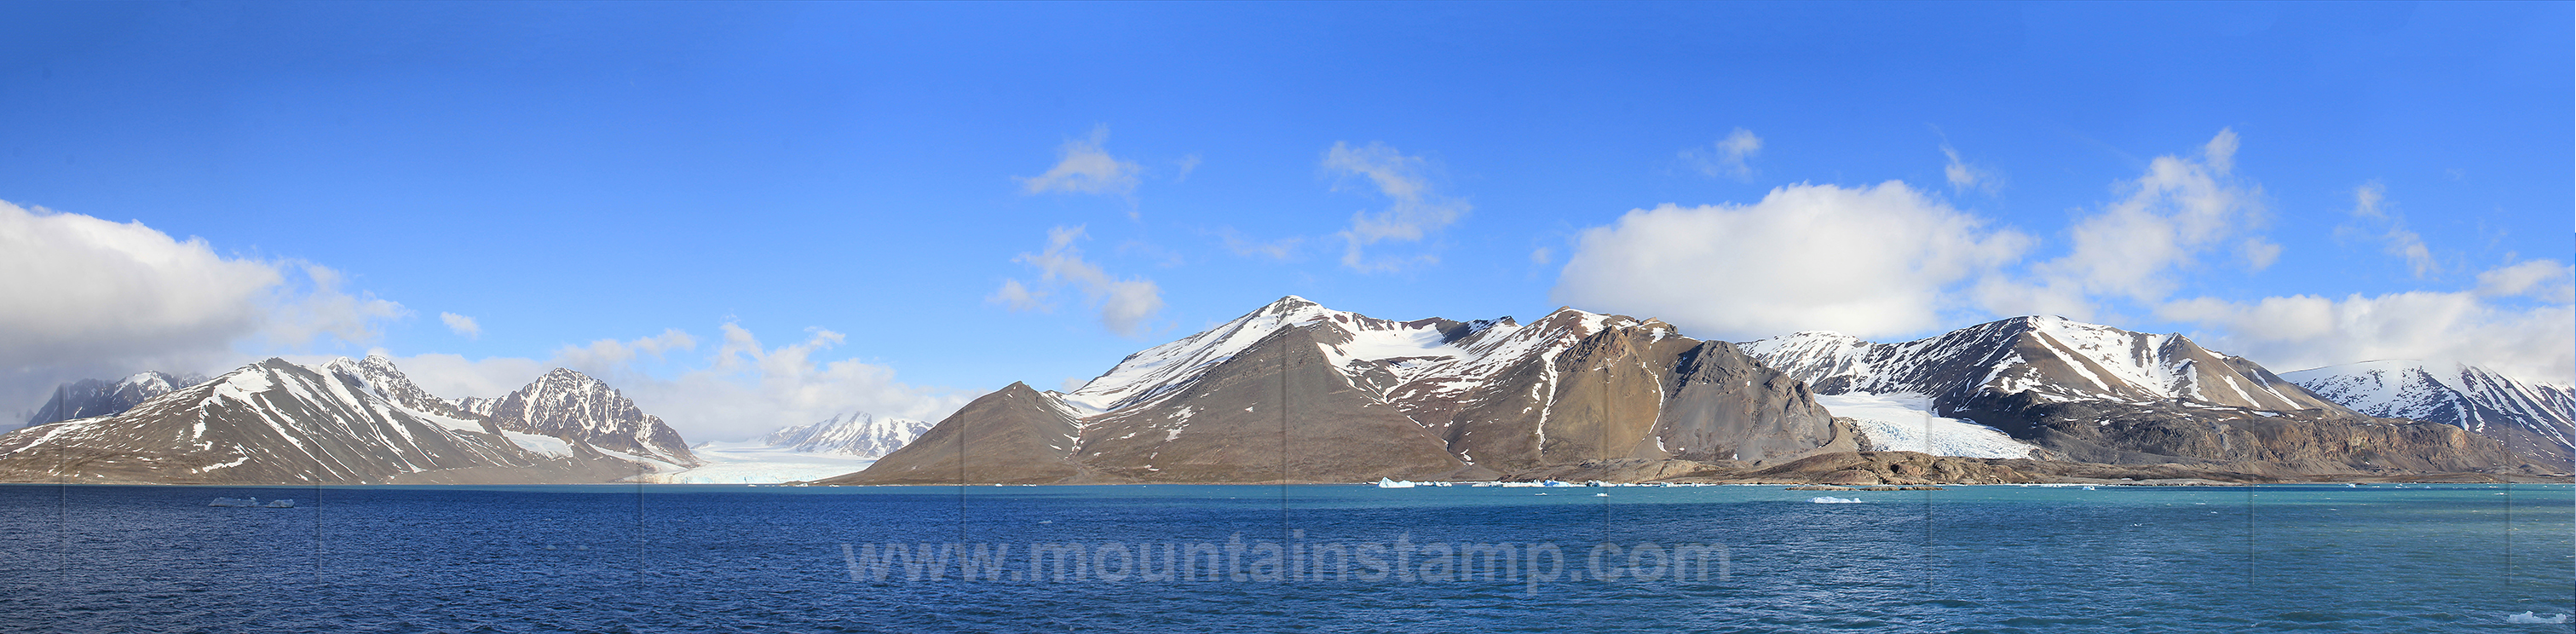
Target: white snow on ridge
x=2454 y=393
x=1897 y=422
x=548 y=445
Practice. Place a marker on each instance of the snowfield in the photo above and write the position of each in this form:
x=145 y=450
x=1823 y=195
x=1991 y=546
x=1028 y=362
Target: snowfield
x=758 y=463
x=1895 y=422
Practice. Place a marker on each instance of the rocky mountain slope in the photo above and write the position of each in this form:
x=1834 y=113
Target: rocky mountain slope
x=94 y=397
x=1299 y=392
x=2532 y=418
x=276 y=422
x=2094 y=393
x=573 y=406
x=855 y=434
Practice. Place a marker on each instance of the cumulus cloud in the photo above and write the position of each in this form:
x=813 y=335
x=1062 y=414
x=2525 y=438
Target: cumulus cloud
x=749 y=389
x=1125 y=303
x=462 y=325
x=2138 y=247
x=1866 y=261
x=2546 y=279
x=741 y=390
x=1083 y=167
x=1730 y=158
x=1415 y=209
x=82 y=297
x=611 y=353
x=2306 y=331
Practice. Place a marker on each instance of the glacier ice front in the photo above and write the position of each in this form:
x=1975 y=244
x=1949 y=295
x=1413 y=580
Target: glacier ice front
x=1904 y=422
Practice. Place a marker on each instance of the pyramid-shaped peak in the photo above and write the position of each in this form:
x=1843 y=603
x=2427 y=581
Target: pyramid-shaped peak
x=566 y=374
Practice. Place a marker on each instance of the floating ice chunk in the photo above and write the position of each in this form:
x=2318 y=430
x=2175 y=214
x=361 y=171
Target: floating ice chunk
x=1834 y=500
x=2535 y=619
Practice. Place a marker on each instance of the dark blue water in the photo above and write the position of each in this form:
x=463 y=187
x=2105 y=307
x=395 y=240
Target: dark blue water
x=1192 y=559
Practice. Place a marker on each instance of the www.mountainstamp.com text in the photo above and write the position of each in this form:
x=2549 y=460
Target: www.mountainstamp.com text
x=1401 y=560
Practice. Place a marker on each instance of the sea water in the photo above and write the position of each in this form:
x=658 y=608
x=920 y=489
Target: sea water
x=1178 y=558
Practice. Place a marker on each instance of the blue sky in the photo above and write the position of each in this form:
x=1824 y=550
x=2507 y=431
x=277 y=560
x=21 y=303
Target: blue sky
x=862 y=183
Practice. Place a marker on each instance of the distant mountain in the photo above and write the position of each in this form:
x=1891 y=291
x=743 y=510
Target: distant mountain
x=276 y=422
x=95 y=397
x=2536 y=418
x=2096 y=393
x=856 y=434
x=573 y=406
x=1300 y=392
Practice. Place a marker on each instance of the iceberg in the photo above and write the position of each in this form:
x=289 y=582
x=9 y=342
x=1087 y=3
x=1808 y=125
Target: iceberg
x=2535 y=619
x=1384 y=483
x=1834 y=500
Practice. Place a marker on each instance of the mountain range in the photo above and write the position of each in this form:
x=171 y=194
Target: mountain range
x=1295 y=391
x=94 y=397
x=347 y=422
x=2094 y=393
x=2532 y=418
x=855 y=434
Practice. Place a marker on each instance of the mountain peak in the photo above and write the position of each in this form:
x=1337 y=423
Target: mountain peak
x=1288 y=304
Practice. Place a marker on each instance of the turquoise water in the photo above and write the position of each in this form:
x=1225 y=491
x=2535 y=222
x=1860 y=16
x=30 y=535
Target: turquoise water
x=2435 y=558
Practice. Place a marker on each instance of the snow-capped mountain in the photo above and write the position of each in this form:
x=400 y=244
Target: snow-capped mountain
x=856 y=434
x=2534 y=417
x=1298 y=391
x=575 y=407
x=2050 y=358
x=89 y=398
x=276 y=422
x=2101 y=394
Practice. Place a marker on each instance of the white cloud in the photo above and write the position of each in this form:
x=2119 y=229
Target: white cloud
x=1188 y=164
x=2135 y=248
x=2306 y=331
x=739 y=391
x=1542 y=256
x=2534 y=278
x=453 y=376
x=1017 y=297
x=1082 y=167
x=1963 y=176
x=82 y=297
x=1865 y=261
x=751 y=390
x=462 y=325
x=1125 y=303
x=1730 y=158
x=1415 y=210
x=2368 y=202
x=1279 y=249
x=611 y=353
